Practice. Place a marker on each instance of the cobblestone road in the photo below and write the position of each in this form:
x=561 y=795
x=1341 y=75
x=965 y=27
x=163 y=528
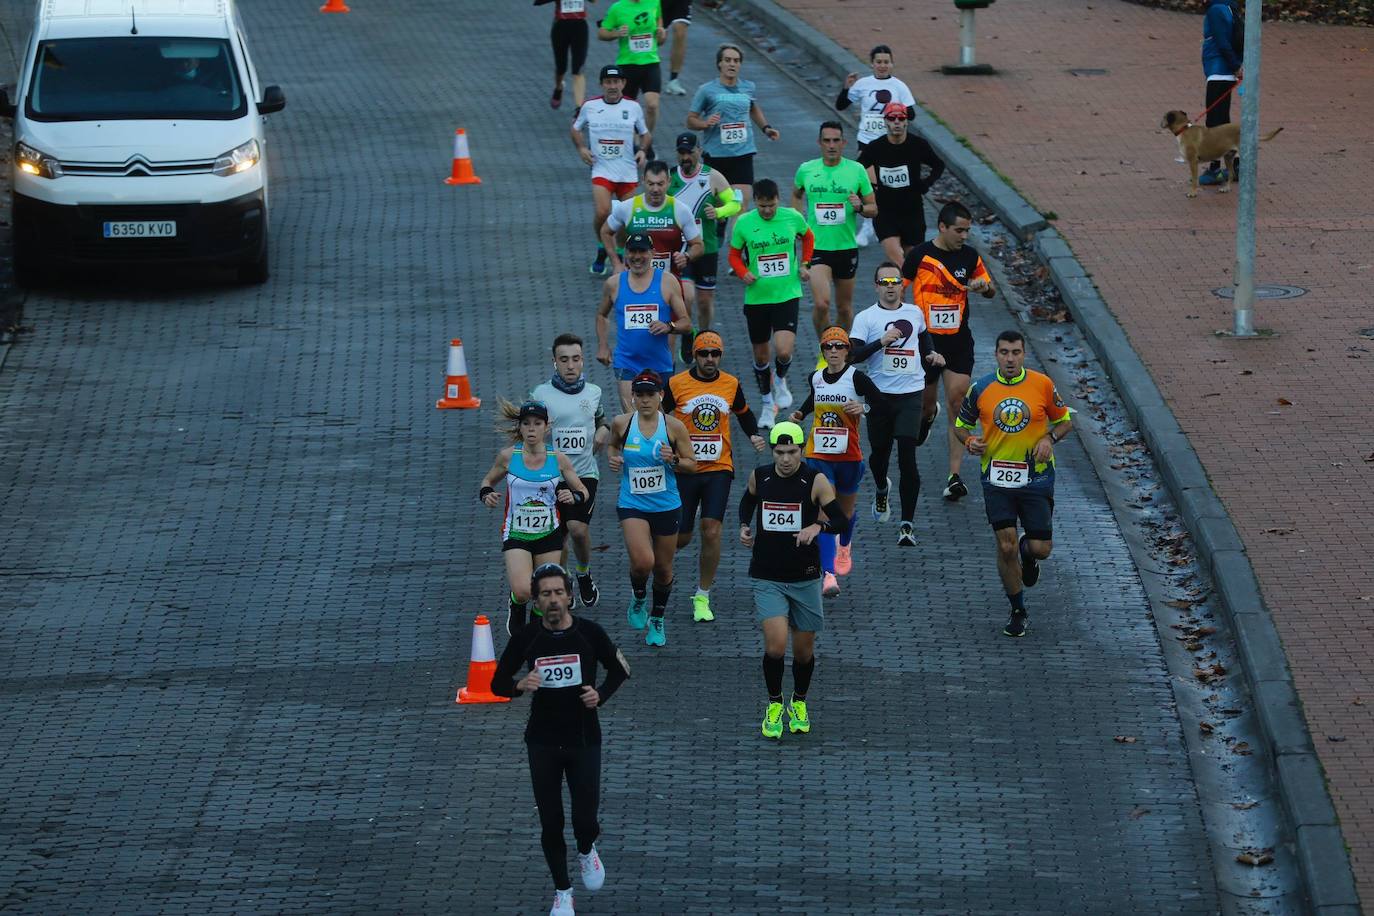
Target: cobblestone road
x=243 y=556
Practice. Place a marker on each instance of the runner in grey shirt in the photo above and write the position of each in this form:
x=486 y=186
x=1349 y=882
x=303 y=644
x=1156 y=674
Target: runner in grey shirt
x=727 y=114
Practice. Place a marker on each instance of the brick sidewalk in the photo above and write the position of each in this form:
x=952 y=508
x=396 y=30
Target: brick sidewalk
x=1089 y=149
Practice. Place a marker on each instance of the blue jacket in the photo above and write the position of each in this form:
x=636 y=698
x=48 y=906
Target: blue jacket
x=1219 y=57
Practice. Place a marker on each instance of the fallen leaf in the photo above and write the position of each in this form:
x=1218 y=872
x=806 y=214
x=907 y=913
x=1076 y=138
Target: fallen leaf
x=1284 y=402
x=1244 y=806
x=1124 y=739
x=1335 y=739
x=1246 y=372
x=1242 y=748
x=1256 y=857
x=1279 y=531
x=1357 y=702
x=1181 y=603
x=1206 y=727
x=1138 y=812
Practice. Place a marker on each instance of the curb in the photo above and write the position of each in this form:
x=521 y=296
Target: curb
x=1323 y=862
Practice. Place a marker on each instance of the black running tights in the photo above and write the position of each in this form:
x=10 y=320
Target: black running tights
x=582 y=765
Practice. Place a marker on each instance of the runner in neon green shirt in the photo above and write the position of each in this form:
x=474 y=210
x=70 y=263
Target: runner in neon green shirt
x=831 y=190
x=772 y=276
x=638 y=27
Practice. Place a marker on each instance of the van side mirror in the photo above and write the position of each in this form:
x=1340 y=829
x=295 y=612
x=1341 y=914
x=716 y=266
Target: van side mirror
x=6 y=106
x=273 y=100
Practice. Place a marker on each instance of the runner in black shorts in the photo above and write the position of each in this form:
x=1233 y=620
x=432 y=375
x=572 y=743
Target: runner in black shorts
x=563 y=737
x=642 y=78
x=738 y=170
x=677 y=17
x=569 y=39
x=894 y=167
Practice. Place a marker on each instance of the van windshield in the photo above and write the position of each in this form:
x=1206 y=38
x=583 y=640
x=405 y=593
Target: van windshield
x=87 y=79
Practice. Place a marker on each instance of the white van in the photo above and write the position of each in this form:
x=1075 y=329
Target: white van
x=138 y=129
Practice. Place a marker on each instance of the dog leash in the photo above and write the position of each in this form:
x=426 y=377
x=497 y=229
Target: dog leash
x=1219 y=99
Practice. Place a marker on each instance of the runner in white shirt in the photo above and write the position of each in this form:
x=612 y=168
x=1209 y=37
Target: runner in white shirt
x=873 y=94
x=619 y=139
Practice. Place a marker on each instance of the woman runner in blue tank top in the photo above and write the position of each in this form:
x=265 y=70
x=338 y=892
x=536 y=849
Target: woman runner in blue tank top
x=648 y=450
x=536 y=481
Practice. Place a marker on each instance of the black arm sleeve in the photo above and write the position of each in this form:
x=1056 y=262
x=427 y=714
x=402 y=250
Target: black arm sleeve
x=748 y=422
x=868 y=390
x=809 y=404
x=835 y=519
x=748 y=502
x=936 y=166
x=924 y=344
x=860 y=351
x=669 y=402
x=616 y=672
x=842 y=100
x=503 y=681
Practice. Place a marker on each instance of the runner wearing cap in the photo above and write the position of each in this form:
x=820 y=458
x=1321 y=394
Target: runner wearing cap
x=832 y=191
x=578 y=428
x=569 y=40
x=890 y=341
x=894 y=168
x=537 y=481
x=638 y=27
x=786 y=501
x=941 y=274
x=646 y=306
x=563 y=736
x=705 y=192
x=703 y=398
x=772 y=275
x=873 y=94
x=839 y=397
x=727 y=113
x=647 y=450
x=619 y=140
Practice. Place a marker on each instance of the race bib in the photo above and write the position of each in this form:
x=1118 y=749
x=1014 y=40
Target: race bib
x=830 y=214
x=559 y=671
x=734 y=133
x=648 y=480
x=707 y=448
x=571 y=6
x=572 y=440
x=830 y=440
x=1009 y=474
x=532 y=519
x=639 y=317
x=945 y=317
x=641 y=44
x=897 y=361
x=773 y=265
x=899 y=177
x=610 y=149
x=781 y=516
x=661 y=262
x=873 y=123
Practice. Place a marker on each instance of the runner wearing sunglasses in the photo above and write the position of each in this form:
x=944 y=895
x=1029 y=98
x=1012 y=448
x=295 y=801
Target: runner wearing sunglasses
x=894 y=164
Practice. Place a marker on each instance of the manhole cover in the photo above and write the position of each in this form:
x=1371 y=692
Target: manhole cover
x=1268 y=291
x=1087 y=71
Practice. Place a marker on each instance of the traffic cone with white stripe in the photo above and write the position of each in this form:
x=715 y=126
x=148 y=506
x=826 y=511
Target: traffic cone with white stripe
x=457 y=389
x=481 y=667
x=334 y=6
x=462 y=161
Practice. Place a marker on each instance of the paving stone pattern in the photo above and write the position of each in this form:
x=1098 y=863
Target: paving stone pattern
x=243 y=556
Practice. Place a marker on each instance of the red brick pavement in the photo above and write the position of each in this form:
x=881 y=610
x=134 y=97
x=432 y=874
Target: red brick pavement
x=1296 y=479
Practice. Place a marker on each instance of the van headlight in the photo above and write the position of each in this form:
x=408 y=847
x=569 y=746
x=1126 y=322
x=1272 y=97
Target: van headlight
x=36 y=162
x=239 y=159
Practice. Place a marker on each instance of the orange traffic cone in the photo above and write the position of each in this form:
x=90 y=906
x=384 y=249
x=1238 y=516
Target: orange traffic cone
x=334 y=6
x=481 y=667
x=457 y=390
x=462 y=161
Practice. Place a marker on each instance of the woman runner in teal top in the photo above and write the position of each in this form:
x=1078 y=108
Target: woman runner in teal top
x=648 y=450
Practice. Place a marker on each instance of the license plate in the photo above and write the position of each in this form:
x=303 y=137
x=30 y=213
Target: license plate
x=141 y=229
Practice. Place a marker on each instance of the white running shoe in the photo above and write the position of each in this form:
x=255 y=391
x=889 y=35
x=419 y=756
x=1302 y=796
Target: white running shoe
x=768 y=413
x=675 y=87
x=782 y=395
x=593 y=872
x=866 y=236
x=562 y=903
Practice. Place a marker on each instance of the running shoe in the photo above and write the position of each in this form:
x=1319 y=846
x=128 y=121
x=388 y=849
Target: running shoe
x=768 y=413
x=1016 y=624
x=797 y=719
x=515 y=619
x=1212 y=176
x=562 y=903
x=772 y=721
x=955 y=489
x=557 y=98
x=926 y=425
x=675 y=87
x=593 y=872
x=866 y=236
x=598 y=268
x=685 y=347
x=637 y=614
x=830 y=586
x=701 y=608
x=587 y=590
x=844 y=559
x=782 y=395
x=655 y=636
x=1030 y=566
x=906 y=537
x=881 y=511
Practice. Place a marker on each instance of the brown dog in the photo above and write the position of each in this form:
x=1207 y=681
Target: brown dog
x=1206 y=144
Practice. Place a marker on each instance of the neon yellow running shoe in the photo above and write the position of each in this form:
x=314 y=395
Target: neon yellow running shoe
x=772 y=721
x=701 y=608
x=797 y=719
